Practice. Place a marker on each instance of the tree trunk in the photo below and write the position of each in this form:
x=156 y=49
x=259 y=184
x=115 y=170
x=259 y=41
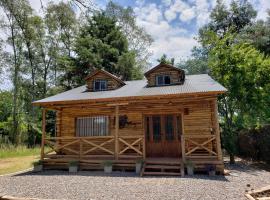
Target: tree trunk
x=232 y=159
x=15 y=85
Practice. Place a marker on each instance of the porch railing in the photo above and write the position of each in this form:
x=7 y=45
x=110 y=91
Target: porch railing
x=199 y=146
x=94 y=146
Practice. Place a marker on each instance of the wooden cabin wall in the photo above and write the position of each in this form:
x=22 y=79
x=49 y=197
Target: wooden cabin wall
x=175 y=75
x=112 y=83
x=66 y=121
x=198 y=117
x=197 y=120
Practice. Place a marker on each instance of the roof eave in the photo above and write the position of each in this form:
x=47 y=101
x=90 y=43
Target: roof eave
x=63 y=102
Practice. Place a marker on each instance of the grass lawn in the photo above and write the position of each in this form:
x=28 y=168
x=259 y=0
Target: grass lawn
x=13 y=159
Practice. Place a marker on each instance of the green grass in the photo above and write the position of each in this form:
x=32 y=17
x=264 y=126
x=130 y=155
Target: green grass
x=10 y=151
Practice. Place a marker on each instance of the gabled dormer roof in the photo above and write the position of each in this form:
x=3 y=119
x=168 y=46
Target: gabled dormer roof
x=162 y=65
x=92 y=75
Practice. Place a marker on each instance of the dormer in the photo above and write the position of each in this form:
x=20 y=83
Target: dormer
x=163 y=75
x=101 y=80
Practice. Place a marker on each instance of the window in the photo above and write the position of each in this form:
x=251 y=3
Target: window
x=169 y=127
x=92 y=126
x=100 y=85
x=163 y=80
x=156 y=128
x=179 y=126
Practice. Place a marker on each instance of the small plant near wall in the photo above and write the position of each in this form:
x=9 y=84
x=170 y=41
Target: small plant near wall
x=190 y=167
x=38 y=166
x=73 y=166
x=211 y=169
x=139 y=164
x=107 y=164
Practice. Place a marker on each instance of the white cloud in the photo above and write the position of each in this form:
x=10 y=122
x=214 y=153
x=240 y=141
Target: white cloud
x=168 y=39
x=166 y=2
x=187 y=15
x=177 y=47
x=262 y=7
x=170 y=15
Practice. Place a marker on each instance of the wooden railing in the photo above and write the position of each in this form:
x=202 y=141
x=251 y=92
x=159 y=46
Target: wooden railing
x=131 y=146
x=94 y=146
x=199 y=146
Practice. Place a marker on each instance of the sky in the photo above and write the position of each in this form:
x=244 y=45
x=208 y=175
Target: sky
x=173 y=24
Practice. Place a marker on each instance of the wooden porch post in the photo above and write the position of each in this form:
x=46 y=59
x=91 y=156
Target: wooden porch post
x=116 y=131
x=217 y=131
x=43 y=133
x=183 y=146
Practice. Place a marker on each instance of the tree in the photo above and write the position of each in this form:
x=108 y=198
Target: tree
x=198 y=63
x=164 y=60
x=234 y=18
x=139 y=40
x=245 y=72
x=14 y=59
x=257 y=34
x=62 y=26
x=101 y=44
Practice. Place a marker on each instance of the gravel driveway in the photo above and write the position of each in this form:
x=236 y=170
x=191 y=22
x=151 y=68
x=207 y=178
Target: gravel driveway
x=95 y=185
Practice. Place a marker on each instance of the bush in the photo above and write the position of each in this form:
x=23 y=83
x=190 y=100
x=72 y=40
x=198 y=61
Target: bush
x=255 y=143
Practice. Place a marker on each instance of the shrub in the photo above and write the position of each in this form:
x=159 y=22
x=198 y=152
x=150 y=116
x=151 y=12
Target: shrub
x=73 y=163
x=255 y=143
x=36 y=163
x=107 y=163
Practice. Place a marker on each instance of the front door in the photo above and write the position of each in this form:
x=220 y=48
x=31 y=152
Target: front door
x=163 y=135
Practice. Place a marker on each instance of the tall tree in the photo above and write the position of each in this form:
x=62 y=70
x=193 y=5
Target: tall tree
x=165 y=60
x=14 y=40
x=62 y=26
x=244 y=71
x=258 y=34
x=139 y=40
x=101 y=44
x=198 y=63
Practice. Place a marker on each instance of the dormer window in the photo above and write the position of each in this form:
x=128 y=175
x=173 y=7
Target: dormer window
x=100 y=85
x=163 y=80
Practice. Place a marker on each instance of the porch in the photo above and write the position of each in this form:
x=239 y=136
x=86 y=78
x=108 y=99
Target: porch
x=124 y=147
x=124 y=151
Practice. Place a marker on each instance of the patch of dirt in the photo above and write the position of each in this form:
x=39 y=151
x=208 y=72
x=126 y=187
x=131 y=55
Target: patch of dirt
x=9 y=165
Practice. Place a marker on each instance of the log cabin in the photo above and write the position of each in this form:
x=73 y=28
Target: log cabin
x=166 y=120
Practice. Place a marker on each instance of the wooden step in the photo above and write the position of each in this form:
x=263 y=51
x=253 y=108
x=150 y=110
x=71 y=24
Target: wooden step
x=162 y=166
x=162 y=163
x=162 y=173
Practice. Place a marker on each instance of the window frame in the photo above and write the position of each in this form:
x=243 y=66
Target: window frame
x=163 y=76
x=100 y=85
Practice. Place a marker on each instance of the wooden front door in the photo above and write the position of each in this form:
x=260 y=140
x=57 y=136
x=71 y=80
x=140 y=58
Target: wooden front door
x=163 y=135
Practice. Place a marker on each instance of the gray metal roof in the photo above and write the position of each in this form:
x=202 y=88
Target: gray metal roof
x=201 y=83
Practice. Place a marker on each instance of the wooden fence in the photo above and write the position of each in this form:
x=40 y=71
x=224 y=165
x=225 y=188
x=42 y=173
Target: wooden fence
x=95 y=147
x=199 y=147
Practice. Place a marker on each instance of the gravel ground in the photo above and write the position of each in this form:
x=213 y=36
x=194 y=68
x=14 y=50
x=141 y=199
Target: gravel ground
x=95 y=185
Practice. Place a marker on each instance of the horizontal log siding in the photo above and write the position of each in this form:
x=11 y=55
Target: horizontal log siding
x=199 y=119
x=111 y=83
x=174 y=74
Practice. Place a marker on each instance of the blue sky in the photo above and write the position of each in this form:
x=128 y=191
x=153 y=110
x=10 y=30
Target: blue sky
x=173 y=24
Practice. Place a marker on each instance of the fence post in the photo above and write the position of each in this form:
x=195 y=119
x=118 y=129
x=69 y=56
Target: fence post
x=183 y=145
x=43 y=133
x=116 y=131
